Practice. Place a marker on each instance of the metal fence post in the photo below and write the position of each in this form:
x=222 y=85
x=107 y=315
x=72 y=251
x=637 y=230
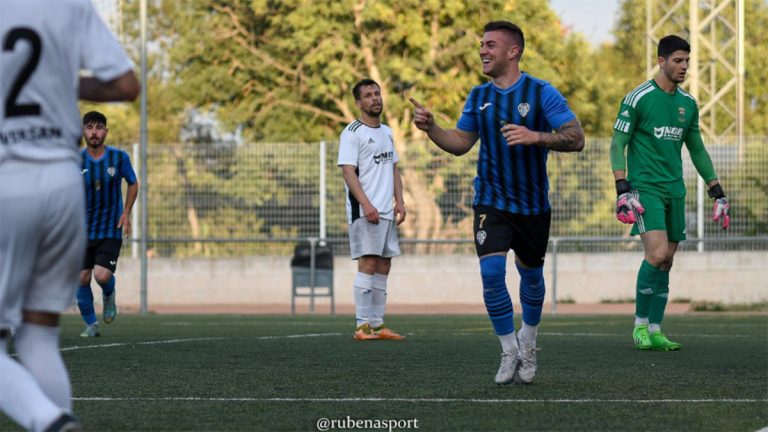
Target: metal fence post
x=312 y=246
x=554 y=275
x=700 y=213
x=323 y=190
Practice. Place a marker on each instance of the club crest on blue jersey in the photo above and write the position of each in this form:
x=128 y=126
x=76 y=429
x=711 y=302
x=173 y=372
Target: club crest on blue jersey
x=111 y=171
x=523 y=108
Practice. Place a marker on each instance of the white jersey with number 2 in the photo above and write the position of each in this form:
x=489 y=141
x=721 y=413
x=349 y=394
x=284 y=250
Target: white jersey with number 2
x=44 y=46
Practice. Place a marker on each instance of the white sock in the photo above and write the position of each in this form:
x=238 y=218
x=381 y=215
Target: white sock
x=528 y=334
x=641 y=321
x=509 y=342
x=653 y=328
x=38 y=349
x=21 y=398
x=362 y=288
x=378 y=299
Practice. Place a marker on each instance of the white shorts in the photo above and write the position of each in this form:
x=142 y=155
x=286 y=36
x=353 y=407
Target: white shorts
x=379 y=239
x=42 y=236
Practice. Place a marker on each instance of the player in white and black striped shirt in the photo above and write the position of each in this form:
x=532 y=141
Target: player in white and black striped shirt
x=368 y=162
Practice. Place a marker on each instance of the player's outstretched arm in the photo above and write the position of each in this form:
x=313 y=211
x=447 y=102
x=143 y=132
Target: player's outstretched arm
x=453 y=141
x=123 y=88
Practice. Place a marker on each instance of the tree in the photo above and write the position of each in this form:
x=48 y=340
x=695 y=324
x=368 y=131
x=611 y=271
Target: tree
x=284 y=70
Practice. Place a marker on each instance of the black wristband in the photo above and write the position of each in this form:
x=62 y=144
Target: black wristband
x=716 y=192
x=622 y=186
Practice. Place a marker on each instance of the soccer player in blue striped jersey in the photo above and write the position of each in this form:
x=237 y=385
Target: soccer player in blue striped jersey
x=514 y=115
x=104 y=168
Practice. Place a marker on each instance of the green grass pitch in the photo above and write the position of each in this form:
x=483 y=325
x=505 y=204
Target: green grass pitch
x=284 y=373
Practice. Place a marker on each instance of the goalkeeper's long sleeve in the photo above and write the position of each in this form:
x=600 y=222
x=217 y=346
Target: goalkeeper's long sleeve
x=700 y=157
x=618 y=144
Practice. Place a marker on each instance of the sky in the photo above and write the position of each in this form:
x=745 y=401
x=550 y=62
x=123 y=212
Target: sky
x=593 y=18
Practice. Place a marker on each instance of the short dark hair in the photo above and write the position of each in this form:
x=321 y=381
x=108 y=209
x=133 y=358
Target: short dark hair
x=94 y=117
x=670 y=44
x=361 y=83
x=511 y=29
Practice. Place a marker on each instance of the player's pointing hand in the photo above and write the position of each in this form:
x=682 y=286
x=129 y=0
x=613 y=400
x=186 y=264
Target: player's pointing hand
x=422 y=118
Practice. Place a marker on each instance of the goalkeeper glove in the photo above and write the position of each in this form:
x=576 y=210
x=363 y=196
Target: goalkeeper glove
x=627 y=204
x=721 y=211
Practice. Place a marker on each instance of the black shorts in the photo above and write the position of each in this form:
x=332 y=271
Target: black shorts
x=103 y=253
x=499 y=231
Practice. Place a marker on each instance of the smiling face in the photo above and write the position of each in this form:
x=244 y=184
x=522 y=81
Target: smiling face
x=675 y=66
x=498 y=52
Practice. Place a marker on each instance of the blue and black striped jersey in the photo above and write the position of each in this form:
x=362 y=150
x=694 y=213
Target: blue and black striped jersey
x=103 y=191
x=513 y=179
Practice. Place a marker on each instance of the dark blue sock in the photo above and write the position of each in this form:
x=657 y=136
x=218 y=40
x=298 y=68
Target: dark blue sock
x=109 y=287
x=85 y=304
x=531 y=293
x=495 y=294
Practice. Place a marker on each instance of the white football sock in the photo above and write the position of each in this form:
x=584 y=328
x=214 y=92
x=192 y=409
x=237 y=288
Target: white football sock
x=362 y=288
x=38 y=349
x=653 y=328
x=641 y=321
x=509 y=342
x=378 y=299
x=528 y=334
x=21 y=398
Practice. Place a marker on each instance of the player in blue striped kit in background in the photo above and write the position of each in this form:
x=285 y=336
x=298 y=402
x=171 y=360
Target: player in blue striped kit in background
x=103 y=169
x=514 y=116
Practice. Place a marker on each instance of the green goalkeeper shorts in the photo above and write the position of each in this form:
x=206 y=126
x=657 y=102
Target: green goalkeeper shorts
x=665 y=214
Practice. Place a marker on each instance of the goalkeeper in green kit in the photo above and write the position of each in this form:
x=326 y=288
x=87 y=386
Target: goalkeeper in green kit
x=654 y=121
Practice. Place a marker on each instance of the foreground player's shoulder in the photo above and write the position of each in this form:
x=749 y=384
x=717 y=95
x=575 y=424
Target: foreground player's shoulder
x=116 y=151
x=353 y=127
x=686 y=97
x=635 y=95
x=536 y=81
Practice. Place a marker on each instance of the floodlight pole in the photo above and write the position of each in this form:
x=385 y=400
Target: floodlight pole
x=143 y=151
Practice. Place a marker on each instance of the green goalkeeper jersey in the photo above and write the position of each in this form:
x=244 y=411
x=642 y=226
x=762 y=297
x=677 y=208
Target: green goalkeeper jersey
x=654 y=124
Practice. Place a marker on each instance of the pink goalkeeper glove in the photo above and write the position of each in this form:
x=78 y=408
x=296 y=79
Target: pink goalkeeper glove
x=721 y=211
x=628 y=207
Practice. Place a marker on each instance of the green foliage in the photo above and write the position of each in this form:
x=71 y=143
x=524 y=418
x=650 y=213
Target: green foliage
x=283 y=72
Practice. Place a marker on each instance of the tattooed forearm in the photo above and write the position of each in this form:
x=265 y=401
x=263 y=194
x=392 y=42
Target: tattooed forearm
x=568 y=138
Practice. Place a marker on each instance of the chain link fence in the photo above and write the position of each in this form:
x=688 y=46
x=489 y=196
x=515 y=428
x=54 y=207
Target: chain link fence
x=228 y=199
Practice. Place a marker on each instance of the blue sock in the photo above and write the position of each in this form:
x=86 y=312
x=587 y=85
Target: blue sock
x=493 y=270
x=85 y=304
x=109 y=287
x=531 y=293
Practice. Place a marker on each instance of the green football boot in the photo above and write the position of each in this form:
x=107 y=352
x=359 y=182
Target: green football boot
x=659 y=342
x=641 y=337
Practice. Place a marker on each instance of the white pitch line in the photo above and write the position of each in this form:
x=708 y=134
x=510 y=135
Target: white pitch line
x=421 y=400
x=174 y=341
x=623 y=335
